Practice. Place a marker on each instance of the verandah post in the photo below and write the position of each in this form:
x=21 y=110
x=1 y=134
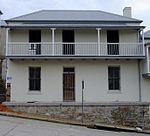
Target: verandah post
x=53 y=40
x=98 y=39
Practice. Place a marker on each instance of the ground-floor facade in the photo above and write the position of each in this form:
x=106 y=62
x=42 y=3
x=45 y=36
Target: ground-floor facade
x=61 y=80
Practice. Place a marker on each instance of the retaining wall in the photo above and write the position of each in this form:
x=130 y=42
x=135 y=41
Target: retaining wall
x=122 y=114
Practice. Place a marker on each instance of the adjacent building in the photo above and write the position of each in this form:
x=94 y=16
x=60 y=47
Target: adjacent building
x=147 y=50
x=2 y=44
x=147 y=37
x=2 y=60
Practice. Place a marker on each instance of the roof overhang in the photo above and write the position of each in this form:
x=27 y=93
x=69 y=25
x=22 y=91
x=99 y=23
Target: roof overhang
x=76 y=25
x=76 y=21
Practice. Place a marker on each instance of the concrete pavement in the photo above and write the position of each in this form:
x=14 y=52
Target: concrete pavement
x=11 y=126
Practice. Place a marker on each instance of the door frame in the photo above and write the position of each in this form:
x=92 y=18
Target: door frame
x=113 y=37
x=35 y=48
x=74 y=96
x=68 y=39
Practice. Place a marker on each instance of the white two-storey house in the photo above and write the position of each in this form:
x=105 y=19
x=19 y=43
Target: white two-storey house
x=52 y=53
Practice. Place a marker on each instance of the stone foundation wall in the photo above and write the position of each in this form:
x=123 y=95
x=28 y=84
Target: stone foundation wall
x=123 y=114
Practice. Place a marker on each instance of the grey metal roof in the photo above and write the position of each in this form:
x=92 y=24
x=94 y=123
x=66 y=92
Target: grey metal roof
x=147 y=34
x=73 y=15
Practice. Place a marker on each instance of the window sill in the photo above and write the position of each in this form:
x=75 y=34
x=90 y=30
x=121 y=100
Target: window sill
x=35 y=92
x=114 y=92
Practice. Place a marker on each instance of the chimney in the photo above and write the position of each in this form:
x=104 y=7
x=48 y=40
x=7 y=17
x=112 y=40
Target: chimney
x=127 y=12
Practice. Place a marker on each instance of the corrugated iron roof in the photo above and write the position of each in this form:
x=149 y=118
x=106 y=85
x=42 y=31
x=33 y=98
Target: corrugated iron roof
x=73 y=15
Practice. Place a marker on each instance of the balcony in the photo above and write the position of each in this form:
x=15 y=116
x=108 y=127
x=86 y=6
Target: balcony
x=74 y=50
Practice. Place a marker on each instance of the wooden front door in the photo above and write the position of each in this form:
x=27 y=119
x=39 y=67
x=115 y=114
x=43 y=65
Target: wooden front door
x=68 y=84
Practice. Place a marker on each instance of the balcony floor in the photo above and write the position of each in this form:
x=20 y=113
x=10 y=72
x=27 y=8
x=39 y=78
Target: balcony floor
x=72 y=57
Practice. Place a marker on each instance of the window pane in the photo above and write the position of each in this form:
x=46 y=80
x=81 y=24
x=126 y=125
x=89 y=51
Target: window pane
x=68 y=70
x=37 y=84
x=116 y=84
x=31 y=73
x=37 y=73
x=110 y=72
x=31 y=84
x=114 y=78
x=34 y=78
x=110 y=84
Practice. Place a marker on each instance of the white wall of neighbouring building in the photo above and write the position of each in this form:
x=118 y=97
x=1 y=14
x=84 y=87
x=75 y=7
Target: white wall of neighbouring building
x=145 y=89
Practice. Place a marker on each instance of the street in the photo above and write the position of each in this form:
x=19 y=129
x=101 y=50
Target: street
x=10 y=126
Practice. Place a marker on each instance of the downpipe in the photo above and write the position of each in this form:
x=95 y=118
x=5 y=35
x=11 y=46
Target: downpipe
x=139 y=80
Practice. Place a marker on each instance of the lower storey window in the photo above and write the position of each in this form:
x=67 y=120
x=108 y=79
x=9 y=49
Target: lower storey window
x=34 y=78
x=114 y=78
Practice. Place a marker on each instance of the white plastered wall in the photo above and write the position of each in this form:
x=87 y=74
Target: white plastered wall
x=94 y=73
x=128 y=36
x=81 y=35
x=22 y=35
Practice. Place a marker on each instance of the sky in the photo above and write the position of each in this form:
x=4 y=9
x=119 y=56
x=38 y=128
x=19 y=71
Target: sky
x=140 y=8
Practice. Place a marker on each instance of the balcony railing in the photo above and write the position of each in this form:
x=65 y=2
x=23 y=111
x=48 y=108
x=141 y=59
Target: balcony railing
x=74 y=49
